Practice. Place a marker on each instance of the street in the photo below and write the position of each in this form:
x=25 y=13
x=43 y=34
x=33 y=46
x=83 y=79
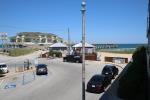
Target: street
x=62 y=83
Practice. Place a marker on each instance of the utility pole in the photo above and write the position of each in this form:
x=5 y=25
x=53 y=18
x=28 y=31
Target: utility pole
x=69 y=49
x=83 y=48
x=148 y=52
x=3 y=37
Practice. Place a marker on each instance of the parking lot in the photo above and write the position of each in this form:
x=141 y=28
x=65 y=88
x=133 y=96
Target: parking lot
x=63 y=82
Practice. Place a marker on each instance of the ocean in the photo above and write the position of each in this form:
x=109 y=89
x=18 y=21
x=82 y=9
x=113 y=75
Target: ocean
x=129 y=46
x=122 y=46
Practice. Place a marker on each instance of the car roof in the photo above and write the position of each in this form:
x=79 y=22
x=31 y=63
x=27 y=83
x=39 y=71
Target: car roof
x=99 y=75
x=41 y=65
x=2 y=64
x=109 y=66
x=70 y=55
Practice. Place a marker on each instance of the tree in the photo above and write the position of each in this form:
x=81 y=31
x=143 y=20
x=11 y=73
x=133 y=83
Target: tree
x=55 y=41
x=13 y=39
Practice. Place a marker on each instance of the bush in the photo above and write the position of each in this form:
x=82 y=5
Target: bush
x=55 y=54
x=132 y=83
x=121 y=51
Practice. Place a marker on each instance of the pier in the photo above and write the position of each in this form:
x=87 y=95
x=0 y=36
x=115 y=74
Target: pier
x=105 y=46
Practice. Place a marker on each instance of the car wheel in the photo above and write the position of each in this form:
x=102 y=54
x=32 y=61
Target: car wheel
x=110 y=82
x=65 y=60
x=104 y=88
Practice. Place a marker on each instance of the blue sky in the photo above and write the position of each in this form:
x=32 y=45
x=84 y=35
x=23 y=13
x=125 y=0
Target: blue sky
x=107 y=21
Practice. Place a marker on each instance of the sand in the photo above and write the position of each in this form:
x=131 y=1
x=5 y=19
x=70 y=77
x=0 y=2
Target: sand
x=102 y=55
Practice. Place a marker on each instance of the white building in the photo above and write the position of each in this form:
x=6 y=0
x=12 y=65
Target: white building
x=58 y=47
x=88 y=48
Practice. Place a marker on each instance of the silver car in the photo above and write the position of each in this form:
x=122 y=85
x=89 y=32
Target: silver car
x=4 y=68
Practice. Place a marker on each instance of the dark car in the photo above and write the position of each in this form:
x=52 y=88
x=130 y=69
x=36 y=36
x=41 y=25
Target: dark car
x=97 y=84
x=41 y=69
x=110 y=70
x=73 y=58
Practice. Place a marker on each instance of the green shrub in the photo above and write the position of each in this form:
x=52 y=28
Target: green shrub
x=55 y=54
x=132 y=83
x=125 y=51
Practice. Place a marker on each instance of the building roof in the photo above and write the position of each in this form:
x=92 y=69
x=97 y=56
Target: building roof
x=58 y=45
x=79 y=45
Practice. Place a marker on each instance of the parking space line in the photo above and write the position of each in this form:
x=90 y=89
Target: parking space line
x=1 y=82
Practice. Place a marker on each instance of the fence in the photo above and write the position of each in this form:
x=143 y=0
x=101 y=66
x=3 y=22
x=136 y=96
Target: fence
x=20 y=66
x=17 y=80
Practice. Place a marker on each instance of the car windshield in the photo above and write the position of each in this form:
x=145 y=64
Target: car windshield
x=3 y=66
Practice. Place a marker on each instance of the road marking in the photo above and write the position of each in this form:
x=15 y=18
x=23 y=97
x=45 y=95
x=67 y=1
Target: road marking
x=10 y=86
x=1 y=82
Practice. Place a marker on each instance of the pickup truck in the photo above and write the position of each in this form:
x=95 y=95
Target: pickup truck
x=73 y=58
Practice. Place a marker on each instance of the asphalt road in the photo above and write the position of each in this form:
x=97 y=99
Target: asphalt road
x=62 y=83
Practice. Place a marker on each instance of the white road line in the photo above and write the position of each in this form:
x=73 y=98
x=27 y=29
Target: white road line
x=1 y=82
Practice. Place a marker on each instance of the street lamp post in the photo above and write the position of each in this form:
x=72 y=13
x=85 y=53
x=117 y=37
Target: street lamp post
x=69 y=48
x=83 y=48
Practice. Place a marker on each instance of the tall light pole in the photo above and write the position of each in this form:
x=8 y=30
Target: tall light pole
x=69 y=45
x=83 y=48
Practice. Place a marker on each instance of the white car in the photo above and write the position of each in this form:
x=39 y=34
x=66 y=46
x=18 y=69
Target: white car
x=4 y=67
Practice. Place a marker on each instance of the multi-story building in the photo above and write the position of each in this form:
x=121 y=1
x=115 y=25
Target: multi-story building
x=37 y=38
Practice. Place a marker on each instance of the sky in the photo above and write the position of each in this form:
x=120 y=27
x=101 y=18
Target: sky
x=106 y=21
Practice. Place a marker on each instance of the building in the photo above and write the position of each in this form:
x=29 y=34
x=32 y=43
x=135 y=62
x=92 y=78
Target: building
x=58 y=47
x=37 y=38
x=89 y=49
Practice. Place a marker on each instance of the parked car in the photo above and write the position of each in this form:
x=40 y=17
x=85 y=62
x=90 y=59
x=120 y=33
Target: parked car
x=98 y=83
x=110 y=70
x=73 y=58
x=4 y=68
x=41 y=69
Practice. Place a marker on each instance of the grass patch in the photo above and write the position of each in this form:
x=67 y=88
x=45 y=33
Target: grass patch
x=21 y=51
x=121 y=51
